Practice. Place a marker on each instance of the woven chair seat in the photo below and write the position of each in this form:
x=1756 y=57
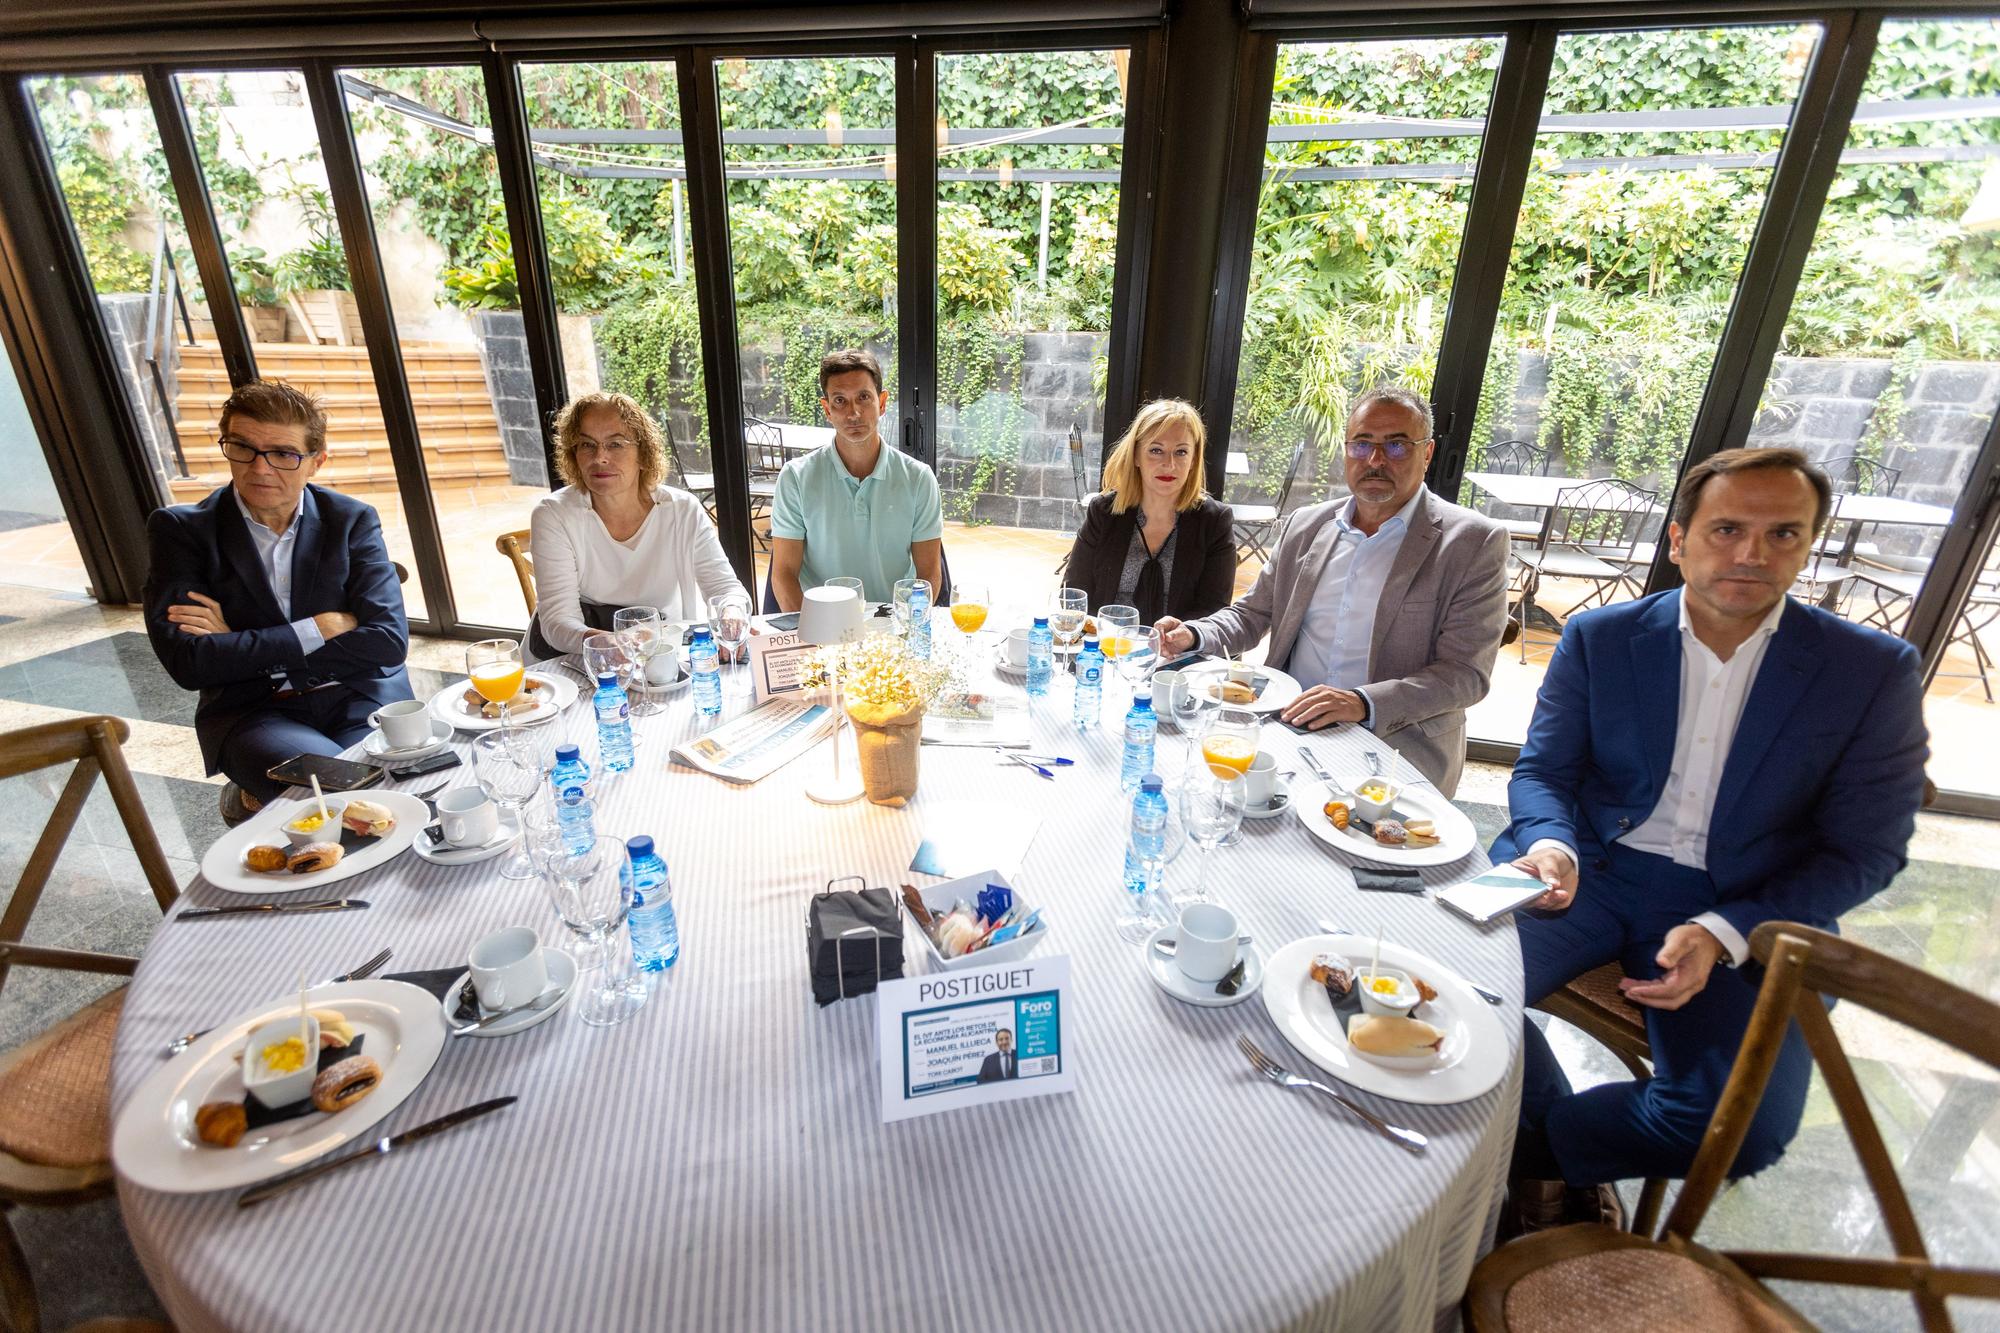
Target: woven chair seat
x=1634 y=1291
x=55 y=1091
x=1600 y=988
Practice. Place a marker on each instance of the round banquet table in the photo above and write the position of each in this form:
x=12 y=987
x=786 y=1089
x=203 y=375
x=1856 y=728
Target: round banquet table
x=719 y=1161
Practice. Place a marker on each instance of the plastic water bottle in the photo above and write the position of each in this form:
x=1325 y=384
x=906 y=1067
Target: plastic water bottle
x=656 y=936
x=1089 y=685
x=575 y=812
x=920 y=622
x=707 y=673
x=1149 y=834
x=614 y=725
x=1041 y=657
x=1141 y=727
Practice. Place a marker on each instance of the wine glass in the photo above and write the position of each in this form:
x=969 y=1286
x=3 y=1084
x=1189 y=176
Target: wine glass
x=541 y=831
x=729 y=621
x=609 y=653
x=644 y=637
x=592 y=895
x=1230 y=738
x=496 y=669
x=1066 y=620
x=906 y=590
x=1211 y=810
x=507 y=771
x=969 y=606
x=1141 y=658
x=1115 y=624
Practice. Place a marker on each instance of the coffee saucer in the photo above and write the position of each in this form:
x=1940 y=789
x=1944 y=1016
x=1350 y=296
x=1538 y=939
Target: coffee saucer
x=562 y=975
x=444 y=854
x=377 y=745
x=1279 y=803
x=1007 y=668
x=1167 y=975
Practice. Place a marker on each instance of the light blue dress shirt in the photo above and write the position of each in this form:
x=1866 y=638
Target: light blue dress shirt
x=274 y=553
x=1338 y=631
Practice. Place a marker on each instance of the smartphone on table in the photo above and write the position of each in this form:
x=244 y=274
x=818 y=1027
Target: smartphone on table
x=443 y=759
x=333 y=774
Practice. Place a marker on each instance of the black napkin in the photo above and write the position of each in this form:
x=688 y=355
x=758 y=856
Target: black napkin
x=853 y=964
x=259 y=1115
x=438 y=981
x=1388 y=879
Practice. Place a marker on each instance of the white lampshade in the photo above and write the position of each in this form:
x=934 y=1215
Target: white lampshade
x=830 y=615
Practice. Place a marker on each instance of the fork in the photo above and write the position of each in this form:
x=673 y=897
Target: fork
x=1408 y=1139
x=366 y=970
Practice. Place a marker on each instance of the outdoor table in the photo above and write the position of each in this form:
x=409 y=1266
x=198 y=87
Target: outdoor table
x=1236 y=464
x=795 y=440
x=719 y=1161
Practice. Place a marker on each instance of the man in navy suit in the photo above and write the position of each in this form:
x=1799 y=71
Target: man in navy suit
x=275 y=599
x=1701 y=762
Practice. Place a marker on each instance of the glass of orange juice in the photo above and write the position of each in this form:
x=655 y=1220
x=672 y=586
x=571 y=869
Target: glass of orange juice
x=1231 y=738
x=1115 y=626
x=969 y=606
x=495 y=668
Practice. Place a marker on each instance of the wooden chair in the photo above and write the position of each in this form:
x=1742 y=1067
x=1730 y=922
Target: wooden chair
x=1592 y=1278
x=514 y=545
x=55 y=1091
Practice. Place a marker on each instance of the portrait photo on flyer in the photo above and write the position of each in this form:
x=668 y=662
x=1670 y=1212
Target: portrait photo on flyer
x=991 y=1034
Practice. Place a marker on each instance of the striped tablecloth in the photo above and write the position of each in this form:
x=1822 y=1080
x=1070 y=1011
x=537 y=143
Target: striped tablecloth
x=719 y=1161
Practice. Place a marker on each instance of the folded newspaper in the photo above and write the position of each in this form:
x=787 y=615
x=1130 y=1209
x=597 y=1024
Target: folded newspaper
x=759 y=743
x=961 y=718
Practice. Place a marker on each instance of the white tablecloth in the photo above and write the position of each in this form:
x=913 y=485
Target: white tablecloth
x=719 y=1160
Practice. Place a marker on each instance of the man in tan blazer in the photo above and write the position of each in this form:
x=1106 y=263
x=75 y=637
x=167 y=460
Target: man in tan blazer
x=1388 y=606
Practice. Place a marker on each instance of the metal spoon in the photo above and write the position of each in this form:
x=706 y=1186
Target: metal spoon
x=539 y=1003
x=1168 y=948
x=1491 y=997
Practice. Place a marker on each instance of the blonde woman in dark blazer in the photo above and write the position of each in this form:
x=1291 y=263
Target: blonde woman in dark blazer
x=1152 y=538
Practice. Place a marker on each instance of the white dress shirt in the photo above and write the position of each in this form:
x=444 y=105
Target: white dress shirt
x=274 y=553
x=1711 y=704
x=1338 y=631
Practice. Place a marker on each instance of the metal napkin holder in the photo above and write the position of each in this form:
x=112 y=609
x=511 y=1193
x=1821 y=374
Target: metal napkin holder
x=818 y=939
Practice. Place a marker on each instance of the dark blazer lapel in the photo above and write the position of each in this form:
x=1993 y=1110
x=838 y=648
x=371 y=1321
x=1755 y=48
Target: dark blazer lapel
x=306 y=564
x=1656 y=681
x=1426 y=530
x=232 y=532
x=1789 y=665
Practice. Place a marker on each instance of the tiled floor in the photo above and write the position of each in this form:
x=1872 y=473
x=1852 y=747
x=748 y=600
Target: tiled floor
x=60 y=655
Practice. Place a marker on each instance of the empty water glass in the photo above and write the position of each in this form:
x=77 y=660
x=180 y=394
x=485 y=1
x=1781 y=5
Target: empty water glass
x=508 y=772
x=593 y=896
x=644 y=636
x=1211 y=809
x=729 y=622
x=1066 y=620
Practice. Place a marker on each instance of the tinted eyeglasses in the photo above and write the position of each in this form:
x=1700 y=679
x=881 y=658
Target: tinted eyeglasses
x=241 y=451
x=1397 y=450
x=616 y=447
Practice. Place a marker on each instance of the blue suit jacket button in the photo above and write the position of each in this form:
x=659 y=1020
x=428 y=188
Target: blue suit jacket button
x=1624 y=823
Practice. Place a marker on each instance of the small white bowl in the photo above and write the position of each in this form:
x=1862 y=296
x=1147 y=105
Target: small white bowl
x=275 y=1089
x=1375 y=811
x=939 y=899
x=327 y=832
x=1397 y=1005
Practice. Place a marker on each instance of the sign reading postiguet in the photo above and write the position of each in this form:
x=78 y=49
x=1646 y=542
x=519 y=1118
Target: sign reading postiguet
x=984 y=1034
x=778 y=663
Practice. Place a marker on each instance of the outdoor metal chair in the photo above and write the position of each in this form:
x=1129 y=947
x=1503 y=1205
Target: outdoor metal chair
x=1521 y=459
x=1893 y=583
x=766 y=446
x=1853 y=474
x=1586 y=1276
x=1592 y=534
x=1079 y=470
x=1257 y=526
x=55 y=1089
x=701 y=485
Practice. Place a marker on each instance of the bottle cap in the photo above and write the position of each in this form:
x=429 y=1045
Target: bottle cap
x=1041 y=622
x=701 y=633
x=565 y=753
x=639 y=846
x=1090 y=641
x=606 y=678
x=1152 y=782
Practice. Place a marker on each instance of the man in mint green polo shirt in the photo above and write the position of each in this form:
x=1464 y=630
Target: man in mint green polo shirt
x=855 y=507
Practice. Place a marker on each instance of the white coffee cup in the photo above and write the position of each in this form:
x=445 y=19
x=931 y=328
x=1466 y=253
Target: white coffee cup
x=1260 y=781
x=664 y=667
x=507 y=968
x=1017 y=647
x=1207 y=944
x=469 y=817
x=1170 y=692
x=404 y=724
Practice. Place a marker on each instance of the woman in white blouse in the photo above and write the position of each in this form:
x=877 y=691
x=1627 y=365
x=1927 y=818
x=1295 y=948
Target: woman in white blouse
x=616 y=534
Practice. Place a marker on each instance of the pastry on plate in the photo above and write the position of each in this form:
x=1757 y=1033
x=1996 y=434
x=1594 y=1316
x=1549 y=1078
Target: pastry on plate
x=341 y=1085
x=1338 y=814
x=1396 y=1038
x=1391 y=833
x=221 y=1123
x=314 y=856
x=264 y=859
x=334 y=1029
x=1233 y=692
x=1422 y=833
x=367 y=819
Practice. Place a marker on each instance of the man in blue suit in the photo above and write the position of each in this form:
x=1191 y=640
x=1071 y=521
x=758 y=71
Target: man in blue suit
x=1701 y=762
x=276 y=600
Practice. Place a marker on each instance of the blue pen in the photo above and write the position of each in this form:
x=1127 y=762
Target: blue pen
x=1026 y=762
x=1055 y=759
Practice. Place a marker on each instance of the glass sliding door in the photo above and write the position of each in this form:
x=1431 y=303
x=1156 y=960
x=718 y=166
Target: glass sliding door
x=425 y=146
x=809 y=157
x=1030 y=149
x=37 y=547
x=1368 y=165
x=260 y=162
x=1639 y=208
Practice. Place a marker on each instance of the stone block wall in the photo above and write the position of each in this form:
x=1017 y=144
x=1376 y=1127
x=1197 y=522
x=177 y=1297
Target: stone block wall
x=510 y=382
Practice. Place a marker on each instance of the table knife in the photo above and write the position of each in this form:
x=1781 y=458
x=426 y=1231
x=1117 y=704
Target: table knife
x=330 y=905
x=1313 y=763
x=383 y=1147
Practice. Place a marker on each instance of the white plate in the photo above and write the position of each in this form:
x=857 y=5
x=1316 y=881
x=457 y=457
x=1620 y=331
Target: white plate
x=1280 y=803
x=377 y=745
x=1279 y=690
x=444 y=854
x=1475 y=1055
x=449 y=703
x=223 y=866
x=562 y=975
x=154 y=1144
x=1456 y=835
x=1167 y=975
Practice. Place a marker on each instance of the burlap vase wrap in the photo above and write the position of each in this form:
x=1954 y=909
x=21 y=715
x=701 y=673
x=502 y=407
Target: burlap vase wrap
x=888 y=738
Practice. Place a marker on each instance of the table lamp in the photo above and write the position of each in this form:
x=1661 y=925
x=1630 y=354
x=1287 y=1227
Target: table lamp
x=831 y=616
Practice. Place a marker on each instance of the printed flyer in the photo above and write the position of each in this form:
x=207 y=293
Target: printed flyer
x=951 y=1039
